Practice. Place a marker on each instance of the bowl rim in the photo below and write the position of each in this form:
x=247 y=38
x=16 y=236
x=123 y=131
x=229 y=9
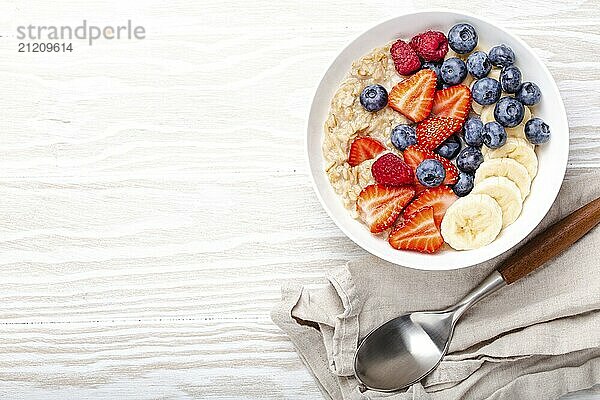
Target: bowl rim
x=552 y=191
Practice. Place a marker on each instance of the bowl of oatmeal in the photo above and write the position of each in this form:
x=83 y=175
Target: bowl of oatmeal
x=515 y=181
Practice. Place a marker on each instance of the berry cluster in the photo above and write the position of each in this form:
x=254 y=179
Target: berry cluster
x=425 y=181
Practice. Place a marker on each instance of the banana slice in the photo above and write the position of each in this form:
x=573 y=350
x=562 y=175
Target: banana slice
x=508 y=168
x=471 y=222
x=519 y=150
x=507 y=195
x=485 y=149
x=516 y=132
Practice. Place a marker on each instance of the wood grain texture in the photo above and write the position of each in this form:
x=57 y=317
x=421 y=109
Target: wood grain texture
x=154 y=193
x=551 y=242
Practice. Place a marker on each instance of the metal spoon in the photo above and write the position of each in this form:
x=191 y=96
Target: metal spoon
x=405 y=349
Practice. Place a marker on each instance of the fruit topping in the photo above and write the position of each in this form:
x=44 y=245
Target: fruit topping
x=469 y=159
x=430 y=45
x=494 y=135
x=486 y=91
x=362 y=149
x=462 y=38
x=405 y=58
x=413 y=97
x=507 y=195
x=471 y=222
x=414 y=155
x=434 y=130
x=501 y=56
x=453 y=71
x=389 y=169
x=453 y=102
x=464 y=185
x=479 y=65
x=449 y=148
x=508 y=168
x=509 y=112
x=473 y=131
x=529 y=93
x=518 y=149
x=440 y=198
x=430 y=173
x=417 y=232
x=403 y=136
x=510 y=79
x=537 y=131
x=435 y=67
x=374 y=98
x=379 y=206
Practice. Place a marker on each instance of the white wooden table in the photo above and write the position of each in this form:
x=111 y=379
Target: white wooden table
x=153 y=194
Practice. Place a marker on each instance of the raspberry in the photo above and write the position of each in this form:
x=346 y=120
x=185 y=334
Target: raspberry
x=430 y=45
x=405 y=59
x=390 y=169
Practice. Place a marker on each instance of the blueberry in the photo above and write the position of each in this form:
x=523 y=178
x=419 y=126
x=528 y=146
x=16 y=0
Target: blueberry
x=374 y=98
x=464 y=185
x=435 y=67
x=529 y=93
x=462 y=38
x=509 y=112
x=473 y=131
x=453 y=71
x=494 y=135
x=449 y=148
x=486 y=91
x=403 y=136
x=430 y=173
x=469 y=159
x=537 y=131
x=479 y=65
x=502 y=56
x=510 y=79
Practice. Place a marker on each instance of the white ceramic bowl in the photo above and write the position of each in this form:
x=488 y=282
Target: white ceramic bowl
x=552 y=155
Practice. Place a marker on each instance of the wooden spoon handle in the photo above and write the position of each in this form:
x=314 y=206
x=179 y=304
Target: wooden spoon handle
x=551 y=242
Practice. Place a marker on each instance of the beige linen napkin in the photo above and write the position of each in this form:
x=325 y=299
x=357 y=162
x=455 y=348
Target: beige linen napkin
x=535 y=339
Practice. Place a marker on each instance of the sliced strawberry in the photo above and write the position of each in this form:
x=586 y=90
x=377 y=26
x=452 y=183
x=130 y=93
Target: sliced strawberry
x=434 y=130
x=413 y=97
x=439 y=198
x=417 y=232
x=413 y=155
x=389 y=169
x=452 y=102
x=379 y=206
x=362 y=149
x=418 y=187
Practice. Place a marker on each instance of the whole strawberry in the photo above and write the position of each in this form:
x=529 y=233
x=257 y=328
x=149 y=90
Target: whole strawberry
x=389 y=169
x=430 y=45
x=405 y=59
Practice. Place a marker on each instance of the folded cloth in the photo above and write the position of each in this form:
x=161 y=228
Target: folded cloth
x=538 y=338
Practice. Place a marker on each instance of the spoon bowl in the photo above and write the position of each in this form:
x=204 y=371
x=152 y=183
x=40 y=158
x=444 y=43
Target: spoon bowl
x=411 y=345
x=405 y=349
